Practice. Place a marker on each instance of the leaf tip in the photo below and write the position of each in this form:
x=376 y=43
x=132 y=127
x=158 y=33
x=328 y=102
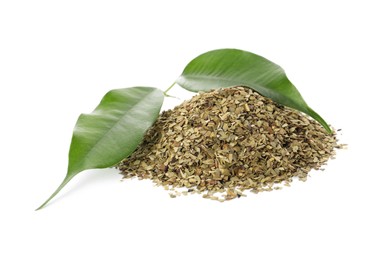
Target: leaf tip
x=64 y=182
x=41 y=206
x=319 y=119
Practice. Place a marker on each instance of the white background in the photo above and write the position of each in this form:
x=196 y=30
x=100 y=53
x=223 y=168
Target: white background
x=58 y=58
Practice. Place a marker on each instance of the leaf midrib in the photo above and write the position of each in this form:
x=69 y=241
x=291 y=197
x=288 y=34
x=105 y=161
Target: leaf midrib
x=231 y=81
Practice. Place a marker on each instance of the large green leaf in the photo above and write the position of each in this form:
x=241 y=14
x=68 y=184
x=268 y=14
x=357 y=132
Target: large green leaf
x=112 y=131
x=231 y=67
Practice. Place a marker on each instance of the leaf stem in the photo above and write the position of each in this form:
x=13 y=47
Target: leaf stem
x=65 y=181
x=167 y=90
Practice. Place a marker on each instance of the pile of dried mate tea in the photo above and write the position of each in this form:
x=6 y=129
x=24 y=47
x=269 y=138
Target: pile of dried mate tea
x=224 y=142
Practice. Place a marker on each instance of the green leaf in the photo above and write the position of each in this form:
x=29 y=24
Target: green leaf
x=112 y=131
x=231 y=67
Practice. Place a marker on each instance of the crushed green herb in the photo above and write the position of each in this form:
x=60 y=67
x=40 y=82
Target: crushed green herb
x=226 y=141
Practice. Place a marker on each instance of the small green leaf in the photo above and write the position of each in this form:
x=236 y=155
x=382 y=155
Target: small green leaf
x=112 y=131
x=231 y=67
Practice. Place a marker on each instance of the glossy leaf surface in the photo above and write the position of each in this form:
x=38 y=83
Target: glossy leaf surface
x=231 y=67
x=112 y=131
